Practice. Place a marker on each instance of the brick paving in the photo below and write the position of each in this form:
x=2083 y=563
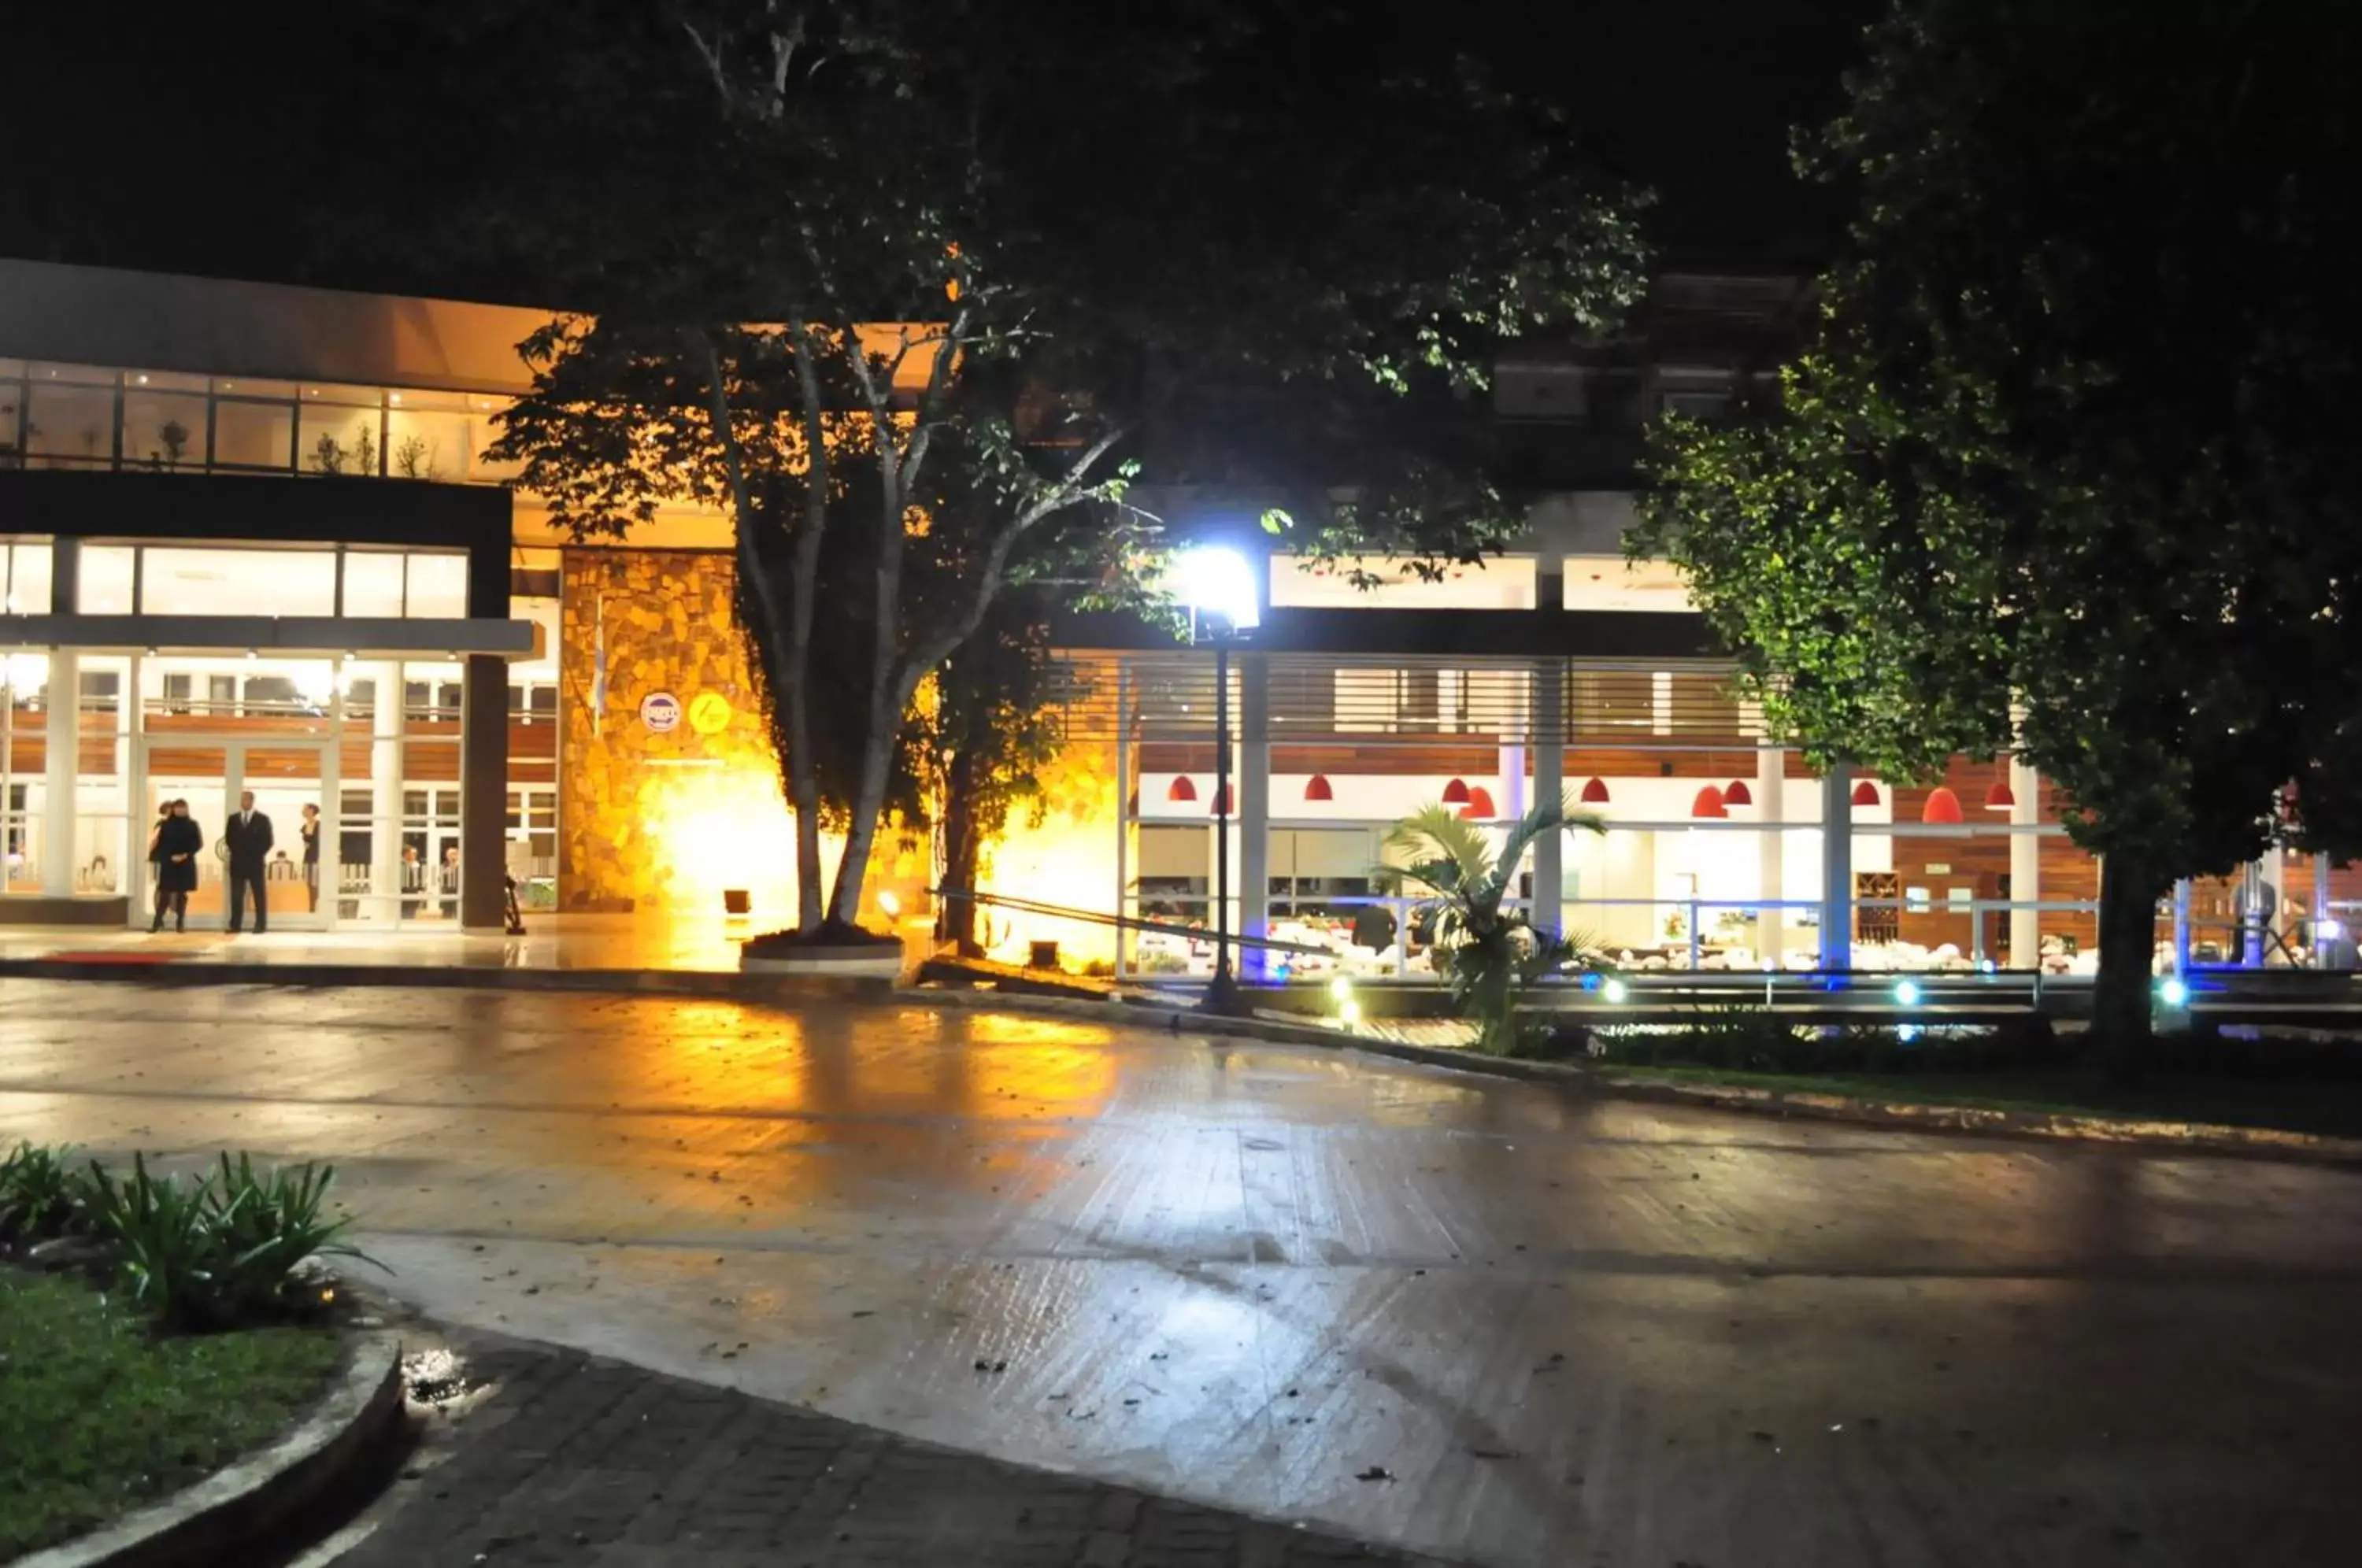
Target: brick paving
x=574 y=1460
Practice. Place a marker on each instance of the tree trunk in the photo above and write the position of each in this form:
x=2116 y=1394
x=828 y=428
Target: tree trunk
x=956 y=922
x=2120 y=992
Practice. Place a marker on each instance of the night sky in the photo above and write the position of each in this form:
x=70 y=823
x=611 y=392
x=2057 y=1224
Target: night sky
x=232 y=139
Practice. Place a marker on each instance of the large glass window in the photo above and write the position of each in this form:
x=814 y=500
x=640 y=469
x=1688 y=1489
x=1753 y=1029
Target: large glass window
x=104 y=587
x=176 y=581
x=25 y=579
x=253 y=434
x=437 y=588
x=70 y=422
x=372 y=583
x=342 y=431
x=163 y=420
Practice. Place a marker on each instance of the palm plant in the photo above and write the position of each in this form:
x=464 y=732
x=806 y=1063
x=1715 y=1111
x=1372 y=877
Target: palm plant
x=1489 y=955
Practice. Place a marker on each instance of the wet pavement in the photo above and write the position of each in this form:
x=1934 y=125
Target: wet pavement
x=1549 y=1331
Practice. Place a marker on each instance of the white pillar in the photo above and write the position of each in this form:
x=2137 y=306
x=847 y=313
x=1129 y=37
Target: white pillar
x=385 y=796
x=2270 y=894
x=1836 y=868
x=1771 y=778
x=1253 y=774
x=2024 y=866
x=63 y=751
x=1549 y=788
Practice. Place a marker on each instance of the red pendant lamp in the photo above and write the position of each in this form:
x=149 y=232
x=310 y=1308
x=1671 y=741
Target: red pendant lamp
x=1479 y=808
x=1942 y=806
x=1317 y=787
x=2000 y=797
x=1865 y=793
x=1221 y=806
x=1182 y=790
x=1737 y=793
x=1708 y=805
x=1456 y=792
x=1594 y=792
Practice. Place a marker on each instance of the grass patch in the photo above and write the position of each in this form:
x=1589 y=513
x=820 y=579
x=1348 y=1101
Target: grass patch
x=2333 y=1108
x=100 y=1414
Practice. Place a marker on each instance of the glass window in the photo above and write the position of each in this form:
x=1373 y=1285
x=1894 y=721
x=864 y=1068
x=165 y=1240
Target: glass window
x=162 y=429
x=253 y=434
x=221 y=693
x=438 y=588
x=82 y=375
x=373 y=583
x=176 y=581
x=338 y=440
x=104 y=584
x=12 y=404
x=71 y=423
x=245 y=386
x=1611 y=583
x=25 y=579
x=179 y=690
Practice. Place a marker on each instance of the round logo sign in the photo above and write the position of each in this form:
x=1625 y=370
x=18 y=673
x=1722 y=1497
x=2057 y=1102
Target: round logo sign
x=660 y=711
x=709 y=713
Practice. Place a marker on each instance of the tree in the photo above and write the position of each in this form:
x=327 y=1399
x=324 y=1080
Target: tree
x=2063 y=468
x=1489 y=955
x=1271 y=291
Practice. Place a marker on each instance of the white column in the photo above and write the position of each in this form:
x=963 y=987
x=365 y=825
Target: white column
x=385 y=796
x=1771 y=778
x=1836 y=868
x=2024 y=866
x=1550 y=788
x=64 y=747
x=1253 y=774
x=2268 y=909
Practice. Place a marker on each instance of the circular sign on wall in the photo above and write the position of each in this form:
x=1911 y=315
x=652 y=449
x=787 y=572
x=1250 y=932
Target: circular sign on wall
x=660 y=711
x=709 y=713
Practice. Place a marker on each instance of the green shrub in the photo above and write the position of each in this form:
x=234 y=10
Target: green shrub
x=265 y=1227
x=162 y=1239
x=40 y=1192
x=219 y=1250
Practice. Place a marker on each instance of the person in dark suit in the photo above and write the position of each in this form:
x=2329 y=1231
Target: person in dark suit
x=247 y=835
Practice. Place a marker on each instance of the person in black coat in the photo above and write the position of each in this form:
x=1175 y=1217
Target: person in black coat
x=173 y=850
x=247 y=835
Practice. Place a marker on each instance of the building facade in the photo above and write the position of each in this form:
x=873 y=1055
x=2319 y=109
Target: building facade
x=250 y=540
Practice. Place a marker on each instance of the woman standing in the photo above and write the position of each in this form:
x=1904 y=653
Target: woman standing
x=173 y=850
x=311 y=832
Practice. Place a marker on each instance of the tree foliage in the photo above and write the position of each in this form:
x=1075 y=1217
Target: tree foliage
x=1115 y=241
x=2064 y=467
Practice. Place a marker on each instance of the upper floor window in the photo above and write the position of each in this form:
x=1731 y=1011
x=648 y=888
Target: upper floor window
x=59 y=415
x=24 y=579
x=289 y=580
x=1504 y=582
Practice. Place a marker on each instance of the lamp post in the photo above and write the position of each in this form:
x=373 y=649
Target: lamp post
x=1218 y=584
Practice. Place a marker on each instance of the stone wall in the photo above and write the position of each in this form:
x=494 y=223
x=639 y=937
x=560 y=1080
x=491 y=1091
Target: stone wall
x=663 y=820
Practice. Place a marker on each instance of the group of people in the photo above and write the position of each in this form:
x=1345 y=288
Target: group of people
x=175 y=841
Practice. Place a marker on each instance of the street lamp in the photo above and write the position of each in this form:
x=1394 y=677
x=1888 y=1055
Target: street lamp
x=1218 y=584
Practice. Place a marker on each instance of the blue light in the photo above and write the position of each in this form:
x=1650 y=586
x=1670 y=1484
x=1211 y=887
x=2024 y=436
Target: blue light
x=1906 y=993
x=1591 y=979
x=1985 y=965
x=2173 y=992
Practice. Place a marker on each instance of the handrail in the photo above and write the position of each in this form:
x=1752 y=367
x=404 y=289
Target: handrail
x=1121 y=922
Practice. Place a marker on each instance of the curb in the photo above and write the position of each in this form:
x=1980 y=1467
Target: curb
x=211 y=1522
x=2188 y=1137
x=755 y=985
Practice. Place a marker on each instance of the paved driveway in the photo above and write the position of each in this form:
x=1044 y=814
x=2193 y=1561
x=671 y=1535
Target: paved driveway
x=1551 y=1332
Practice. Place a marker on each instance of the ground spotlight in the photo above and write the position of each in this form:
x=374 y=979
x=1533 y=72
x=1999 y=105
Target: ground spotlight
x=1340 y=989
x=1614 y=991
x=2174 y=992
x=1906 y=993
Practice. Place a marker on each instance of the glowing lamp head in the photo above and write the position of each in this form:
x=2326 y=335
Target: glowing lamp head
x=2174 y=991
x=1615 y=992
x=1906 y=993
x=888 y=905
x=1340 y=989
x=1350 y=1015
x=2328 y=931
x=1213 y=579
